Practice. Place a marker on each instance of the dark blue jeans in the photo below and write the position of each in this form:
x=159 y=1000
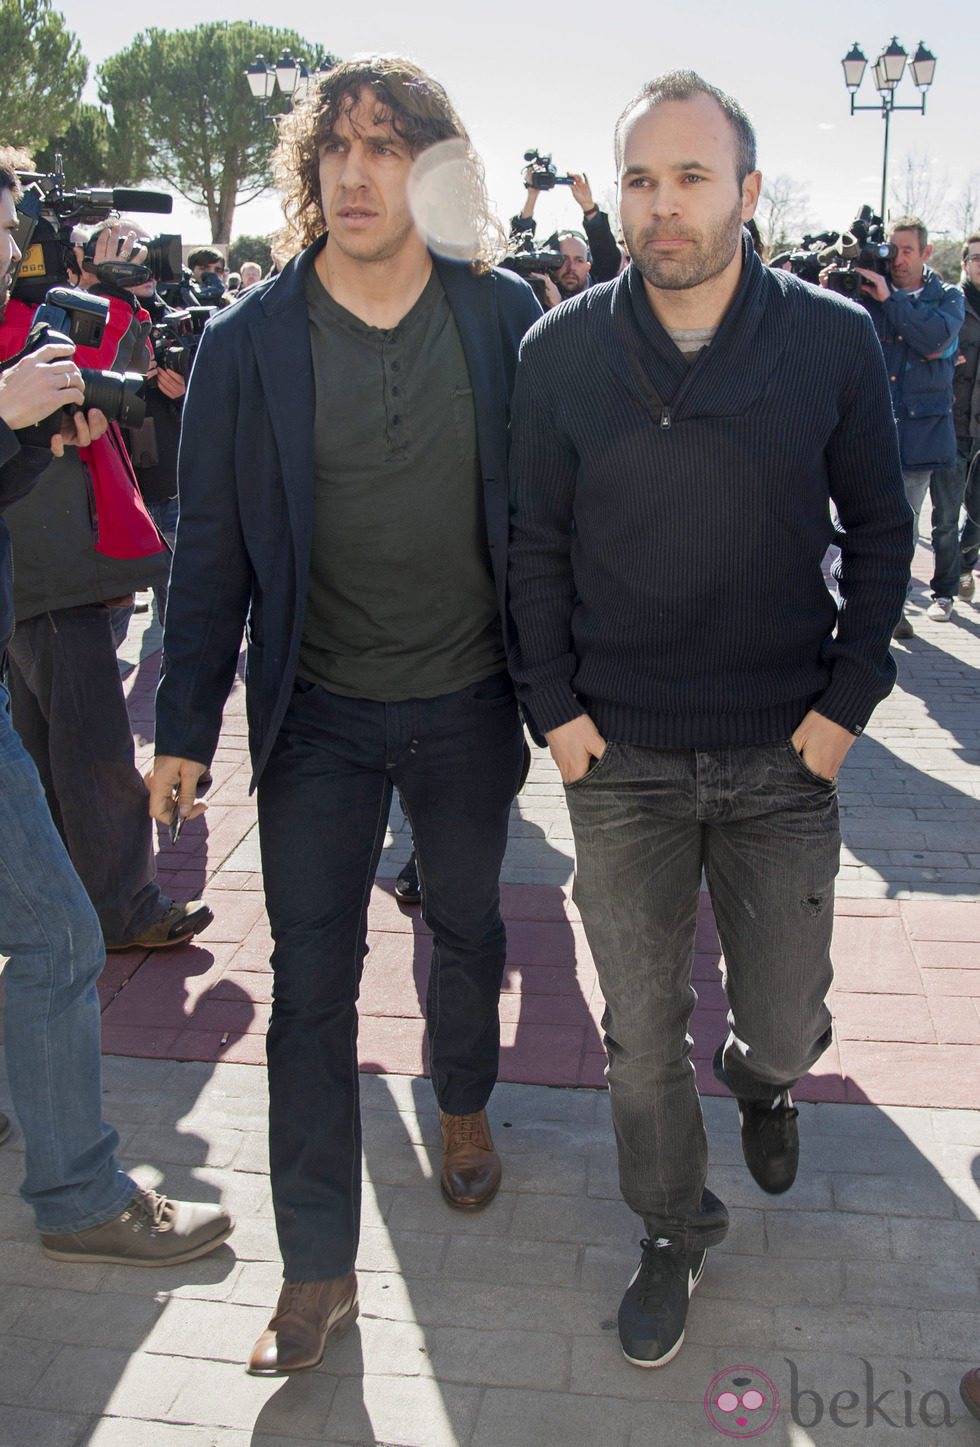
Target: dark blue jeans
x=323 y=808
x=947 y=487
x=764 y=829
x=968 y=465
x=70 y=710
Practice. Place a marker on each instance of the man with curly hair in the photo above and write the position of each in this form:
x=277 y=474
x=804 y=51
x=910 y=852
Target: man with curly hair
x=344 y=494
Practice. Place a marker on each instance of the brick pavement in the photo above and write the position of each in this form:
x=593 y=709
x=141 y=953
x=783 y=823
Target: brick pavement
x=907 y=994
x=498 y=1330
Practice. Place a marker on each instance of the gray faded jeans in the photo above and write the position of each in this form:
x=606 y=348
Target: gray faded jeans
x=764 y=828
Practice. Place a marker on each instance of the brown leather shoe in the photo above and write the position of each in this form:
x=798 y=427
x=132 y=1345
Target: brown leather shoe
x=970 y=1391
x=306 y=1313
x=470 y=1165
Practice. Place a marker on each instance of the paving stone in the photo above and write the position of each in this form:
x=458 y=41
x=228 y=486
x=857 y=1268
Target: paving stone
x=515 y=1418
x=136 y=1432
x=34 y=1426
x=403 y=1412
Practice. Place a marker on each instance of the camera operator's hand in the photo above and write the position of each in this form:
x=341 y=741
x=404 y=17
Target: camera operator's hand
x=824 y=276
x=171 y=384
x=39 y=384
x=552 y=296
x=115 y=243
x=874 y=284
x=79 y=429
x=582 y=193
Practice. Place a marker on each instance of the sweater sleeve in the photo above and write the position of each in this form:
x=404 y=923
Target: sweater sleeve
x=540 y=580
x=607 y=259
x=865 y=479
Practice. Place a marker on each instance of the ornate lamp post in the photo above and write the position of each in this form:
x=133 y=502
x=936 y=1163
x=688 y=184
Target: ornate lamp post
x=888 y=71
x=291 y=76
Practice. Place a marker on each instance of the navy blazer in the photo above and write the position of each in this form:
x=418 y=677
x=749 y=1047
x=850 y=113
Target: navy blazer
x=242 y=556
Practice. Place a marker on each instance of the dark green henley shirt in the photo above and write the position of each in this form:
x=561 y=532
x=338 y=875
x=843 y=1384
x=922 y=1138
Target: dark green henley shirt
x=401 y=601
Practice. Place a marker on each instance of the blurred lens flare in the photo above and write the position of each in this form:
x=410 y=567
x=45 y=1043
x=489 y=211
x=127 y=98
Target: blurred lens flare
x=445 y=195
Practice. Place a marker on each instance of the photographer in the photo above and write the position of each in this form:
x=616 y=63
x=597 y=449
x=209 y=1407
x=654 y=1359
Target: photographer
x=153 y=447
x=918 y=318
x=592 y=258
x=82 y=542
x=85 y=1206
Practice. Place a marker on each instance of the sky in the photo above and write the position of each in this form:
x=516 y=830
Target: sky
x=557 y=78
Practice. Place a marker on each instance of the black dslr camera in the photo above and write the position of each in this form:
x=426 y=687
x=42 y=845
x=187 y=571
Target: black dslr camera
x=79 y=317
x=175 y=338
x=545 y=177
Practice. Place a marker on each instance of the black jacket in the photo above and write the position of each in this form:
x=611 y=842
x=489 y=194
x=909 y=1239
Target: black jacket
x=242 y=558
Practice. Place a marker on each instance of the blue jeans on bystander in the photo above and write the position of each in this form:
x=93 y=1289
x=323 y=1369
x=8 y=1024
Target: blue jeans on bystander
x=51 y=1018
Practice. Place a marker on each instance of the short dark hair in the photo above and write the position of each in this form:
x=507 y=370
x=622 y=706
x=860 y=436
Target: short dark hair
x=685 y=85
x=206 y=256
x=968 y=243
x=911 y=223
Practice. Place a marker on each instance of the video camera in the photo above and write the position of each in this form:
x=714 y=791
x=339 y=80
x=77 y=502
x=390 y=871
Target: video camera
x=67 y=315
x=546 y=177
x=865 y=244
x=526 y=259
x=48 y=215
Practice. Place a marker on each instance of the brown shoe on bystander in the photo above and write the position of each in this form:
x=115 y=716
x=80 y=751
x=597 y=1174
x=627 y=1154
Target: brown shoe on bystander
x=970 y=1391
x=152 y=1231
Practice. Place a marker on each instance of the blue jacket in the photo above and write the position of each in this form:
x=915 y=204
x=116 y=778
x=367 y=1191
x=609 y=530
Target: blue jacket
x=242 y=557
x=918 y=336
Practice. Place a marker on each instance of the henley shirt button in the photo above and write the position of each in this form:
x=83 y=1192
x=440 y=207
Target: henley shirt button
x=395 y=421
x=394 y=391
x=395 y=366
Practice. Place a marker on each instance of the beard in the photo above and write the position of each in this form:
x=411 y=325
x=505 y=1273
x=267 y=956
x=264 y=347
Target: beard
x=572 y=286
x=712 y=251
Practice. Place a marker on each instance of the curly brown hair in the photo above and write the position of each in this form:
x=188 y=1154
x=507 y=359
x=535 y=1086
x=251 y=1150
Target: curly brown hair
x=411 y=102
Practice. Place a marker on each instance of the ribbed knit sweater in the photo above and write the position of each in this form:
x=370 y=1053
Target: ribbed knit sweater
x=669 y=521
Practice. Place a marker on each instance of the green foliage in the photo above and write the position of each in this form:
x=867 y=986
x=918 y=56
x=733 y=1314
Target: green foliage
x=90 y=151
x=184 y=113
x=250 y=248
x=43 y=72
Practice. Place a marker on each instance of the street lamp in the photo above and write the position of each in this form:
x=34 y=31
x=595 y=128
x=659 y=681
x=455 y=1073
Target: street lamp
x=888 y=71
x=291 y=77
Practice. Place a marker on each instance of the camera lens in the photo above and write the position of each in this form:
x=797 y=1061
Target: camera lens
x=117 y=394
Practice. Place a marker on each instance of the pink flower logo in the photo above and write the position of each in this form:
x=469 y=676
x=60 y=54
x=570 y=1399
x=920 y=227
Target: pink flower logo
x=741 y=1402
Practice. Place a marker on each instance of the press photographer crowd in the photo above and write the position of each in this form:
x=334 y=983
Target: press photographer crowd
x=317 y=461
